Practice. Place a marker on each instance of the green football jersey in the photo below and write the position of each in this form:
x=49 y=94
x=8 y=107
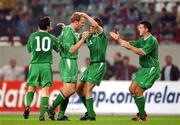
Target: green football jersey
x=68 y=38
x=97 y=45
x=40 y=45
x=150 y=48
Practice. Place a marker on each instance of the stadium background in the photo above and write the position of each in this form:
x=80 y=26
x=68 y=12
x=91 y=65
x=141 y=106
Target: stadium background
x=18 y=18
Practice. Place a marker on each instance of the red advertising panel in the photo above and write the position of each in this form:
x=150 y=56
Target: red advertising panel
x=12 y=96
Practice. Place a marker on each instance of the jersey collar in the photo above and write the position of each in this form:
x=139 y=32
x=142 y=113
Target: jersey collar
x=147 y=37
x=43 y=31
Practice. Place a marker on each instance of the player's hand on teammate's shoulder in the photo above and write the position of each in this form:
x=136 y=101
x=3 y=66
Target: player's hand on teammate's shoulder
x=85 y=35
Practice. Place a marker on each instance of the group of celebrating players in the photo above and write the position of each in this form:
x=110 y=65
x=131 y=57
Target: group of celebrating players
x=41 y=43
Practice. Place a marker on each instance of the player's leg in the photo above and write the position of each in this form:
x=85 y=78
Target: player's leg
x=80 y=86
x=32 y=82
x=139 y=99
x=44 y=102
x=89 y=100
x=140 y=102
x=93 y=78
x=63 y=106
x=29 y=98
x=30 y=95
x=46 y=79
x=68 y=71
x=63 y=70
x=66 y=93
x=80 y=92
x=144 y=78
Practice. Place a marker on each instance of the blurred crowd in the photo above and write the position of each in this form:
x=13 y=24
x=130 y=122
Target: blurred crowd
x=18 y=18
x=120 y=69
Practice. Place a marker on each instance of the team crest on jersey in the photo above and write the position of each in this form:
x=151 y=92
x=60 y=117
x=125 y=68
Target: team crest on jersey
x=77 y=35
x=90 y=42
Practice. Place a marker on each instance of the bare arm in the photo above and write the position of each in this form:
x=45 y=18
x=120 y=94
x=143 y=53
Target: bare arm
x=91 y=21
x=75 y=47
x=126 y=44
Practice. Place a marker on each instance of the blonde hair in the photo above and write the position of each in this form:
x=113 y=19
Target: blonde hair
x=75 y=17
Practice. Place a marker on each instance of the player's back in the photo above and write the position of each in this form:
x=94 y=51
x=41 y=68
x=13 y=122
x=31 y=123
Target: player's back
x=40 y=45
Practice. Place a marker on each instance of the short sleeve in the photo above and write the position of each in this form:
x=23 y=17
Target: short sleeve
x=56 y=45
x=149 y=46
x=135 y=43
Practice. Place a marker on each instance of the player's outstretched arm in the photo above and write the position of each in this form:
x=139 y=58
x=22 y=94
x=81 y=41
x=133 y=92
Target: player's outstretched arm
x=75 y=47
x=125 y=44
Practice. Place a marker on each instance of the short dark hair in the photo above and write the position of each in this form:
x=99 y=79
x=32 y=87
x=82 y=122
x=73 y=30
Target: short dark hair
x=44 y=23
x=99 y=21
x=147 y=25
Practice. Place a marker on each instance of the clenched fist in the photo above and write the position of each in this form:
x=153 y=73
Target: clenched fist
x=85 y=35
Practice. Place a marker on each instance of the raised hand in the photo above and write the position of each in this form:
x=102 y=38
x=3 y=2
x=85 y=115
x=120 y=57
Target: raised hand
x=114 y=35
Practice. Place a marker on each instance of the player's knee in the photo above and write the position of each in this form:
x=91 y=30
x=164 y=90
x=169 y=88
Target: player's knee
x=139 y=93
x=88 y=93
x=131 y=90
x=31 y=89
x=79 y=91
x=72 y=91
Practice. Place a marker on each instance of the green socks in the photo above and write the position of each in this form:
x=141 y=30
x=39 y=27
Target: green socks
x=83 y=99
x=63 y=107
x=89 y=106
x=59 y=100
x=140 y=102
x=29 y=98
x=44 y=105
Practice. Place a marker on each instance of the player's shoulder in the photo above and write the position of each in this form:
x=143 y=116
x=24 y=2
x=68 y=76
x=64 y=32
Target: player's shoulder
x=67 y=28
x=33 y=34
x=106 y=34
x=139 y=40
x=51 y=35
x=103 y=34
x=152 y=39
x=54 y=38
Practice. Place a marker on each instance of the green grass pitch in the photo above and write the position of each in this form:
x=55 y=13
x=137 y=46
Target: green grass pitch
x=100 y=120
